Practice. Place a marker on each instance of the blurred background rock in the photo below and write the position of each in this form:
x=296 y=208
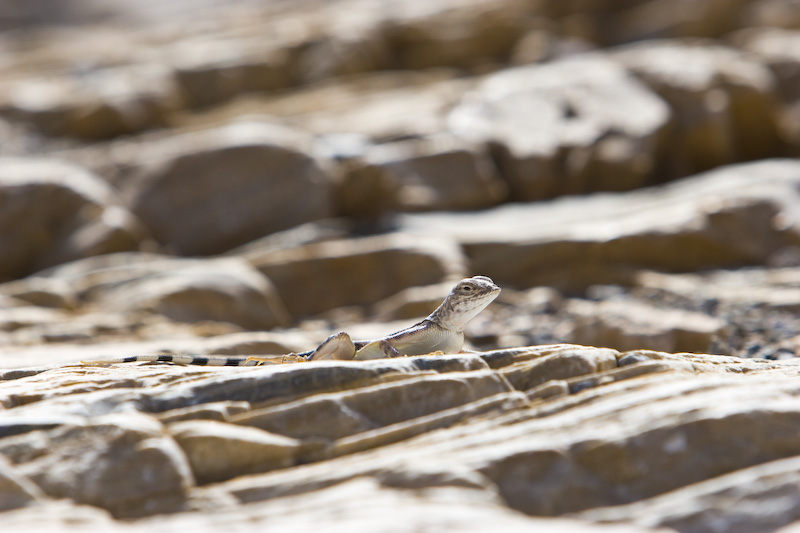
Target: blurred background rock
x=623 y=168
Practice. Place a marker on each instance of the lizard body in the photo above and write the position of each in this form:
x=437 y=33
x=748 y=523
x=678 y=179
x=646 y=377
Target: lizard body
x=441 y=331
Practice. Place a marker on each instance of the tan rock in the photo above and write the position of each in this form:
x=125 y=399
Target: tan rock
x=211 y=71
x=780 y=50
x=433 y=174
x=573 y=126
x=209 y=191
x=724 y=102
x=183 y=290
x=103 y=104
x=16 y=490
x=738 y=215
x=463 y=34
x=219 y=451
x=78 y=216
x=121 y=463
x=338 y=415
x=773 y=487
x=42 y=292
x=365 y=270
x=562 y=364
x=628 y=325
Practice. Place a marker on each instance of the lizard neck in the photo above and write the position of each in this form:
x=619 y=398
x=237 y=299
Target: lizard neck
x=453 y=314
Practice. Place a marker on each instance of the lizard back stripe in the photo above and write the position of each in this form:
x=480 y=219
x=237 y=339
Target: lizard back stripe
x=232 y=361
x=200 y=360
x=164 y=359
x=131 y=359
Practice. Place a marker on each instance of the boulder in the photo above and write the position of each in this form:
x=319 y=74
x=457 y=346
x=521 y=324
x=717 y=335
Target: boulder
x=432 y=174
x=734 y=216
x=122 y=463
x=183 y=290
x=629 y=325
x=780 y=50
x=55 y=212
x=724 y=102
x=16 y=490
x=104 y=104
x=207 y=192
x=573 y=126
x=219 y=451
x=464 y=34
x=318 y=277
x=210 y=71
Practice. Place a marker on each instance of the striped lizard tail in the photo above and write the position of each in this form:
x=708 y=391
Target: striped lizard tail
x=203 y=360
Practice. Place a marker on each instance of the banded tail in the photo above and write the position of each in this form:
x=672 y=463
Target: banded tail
x=201 y=360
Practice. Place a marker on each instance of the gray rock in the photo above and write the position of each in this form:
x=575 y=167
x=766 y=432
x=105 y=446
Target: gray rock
x=15 y=490
x=628 y=325
x=724 y=218
x=219 y=451
x=210 y=191
x=122 y=463
x=183 y=290
x=366 y=270
x=724 y=102
x=77 y=216
x=431 y=174
x=573 y=126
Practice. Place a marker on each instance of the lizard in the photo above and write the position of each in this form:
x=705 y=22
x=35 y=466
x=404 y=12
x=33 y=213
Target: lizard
x=441 y=331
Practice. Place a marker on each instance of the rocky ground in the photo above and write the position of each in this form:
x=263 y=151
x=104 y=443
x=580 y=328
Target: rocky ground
x=244 y=178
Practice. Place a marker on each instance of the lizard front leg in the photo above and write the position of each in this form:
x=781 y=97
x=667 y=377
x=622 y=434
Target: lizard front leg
x=338 y=346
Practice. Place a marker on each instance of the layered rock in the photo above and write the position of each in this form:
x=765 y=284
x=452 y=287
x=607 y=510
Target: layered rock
x=574 y=126
x=518 y=429
x=55 y=212
x=210 y=191
x=730 y=217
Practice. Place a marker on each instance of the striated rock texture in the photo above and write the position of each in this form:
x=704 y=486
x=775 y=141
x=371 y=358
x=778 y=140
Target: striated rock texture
x=543 y=431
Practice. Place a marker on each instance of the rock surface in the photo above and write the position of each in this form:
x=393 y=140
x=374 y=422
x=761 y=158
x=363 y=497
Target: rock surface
x=55 y=212
x=516 y=429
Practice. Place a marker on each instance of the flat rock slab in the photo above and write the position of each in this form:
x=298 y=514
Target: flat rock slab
x=732 y=216
x=542 y=431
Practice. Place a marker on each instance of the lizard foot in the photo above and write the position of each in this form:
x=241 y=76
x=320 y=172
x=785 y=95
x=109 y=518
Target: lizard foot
x=338 y=346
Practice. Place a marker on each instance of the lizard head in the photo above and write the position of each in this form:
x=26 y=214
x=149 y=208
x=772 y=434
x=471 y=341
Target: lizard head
x=469 y=297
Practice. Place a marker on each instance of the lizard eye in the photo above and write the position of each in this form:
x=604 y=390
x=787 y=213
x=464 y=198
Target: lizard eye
x=467 y=288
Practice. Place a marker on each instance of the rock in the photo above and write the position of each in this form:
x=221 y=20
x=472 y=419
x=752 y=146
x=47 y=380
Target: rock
x=779 y=13
x=121 y=463
x=724 y=218
x=464 y=35
x=15 y=490
x=657 y=428
x=654 y=20
x=699 y=507
x=375 y=106
x=573 y=126
x=183 y=290
x=559 y=365
x=101 y=105
x=219 y=451
x=628 y=325
x=365 y=270
x=78 y=216
x=211 y=71
x=337 y=415
x=434 y=174
x=780 y=50
x=270 y=183
x=724 y=102
x=40 y=291
x=413 y=302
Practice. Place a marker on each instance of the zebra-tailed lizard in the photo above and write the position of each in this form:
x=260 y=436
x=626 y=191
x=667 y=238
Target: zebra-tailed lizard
x=441 y=331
